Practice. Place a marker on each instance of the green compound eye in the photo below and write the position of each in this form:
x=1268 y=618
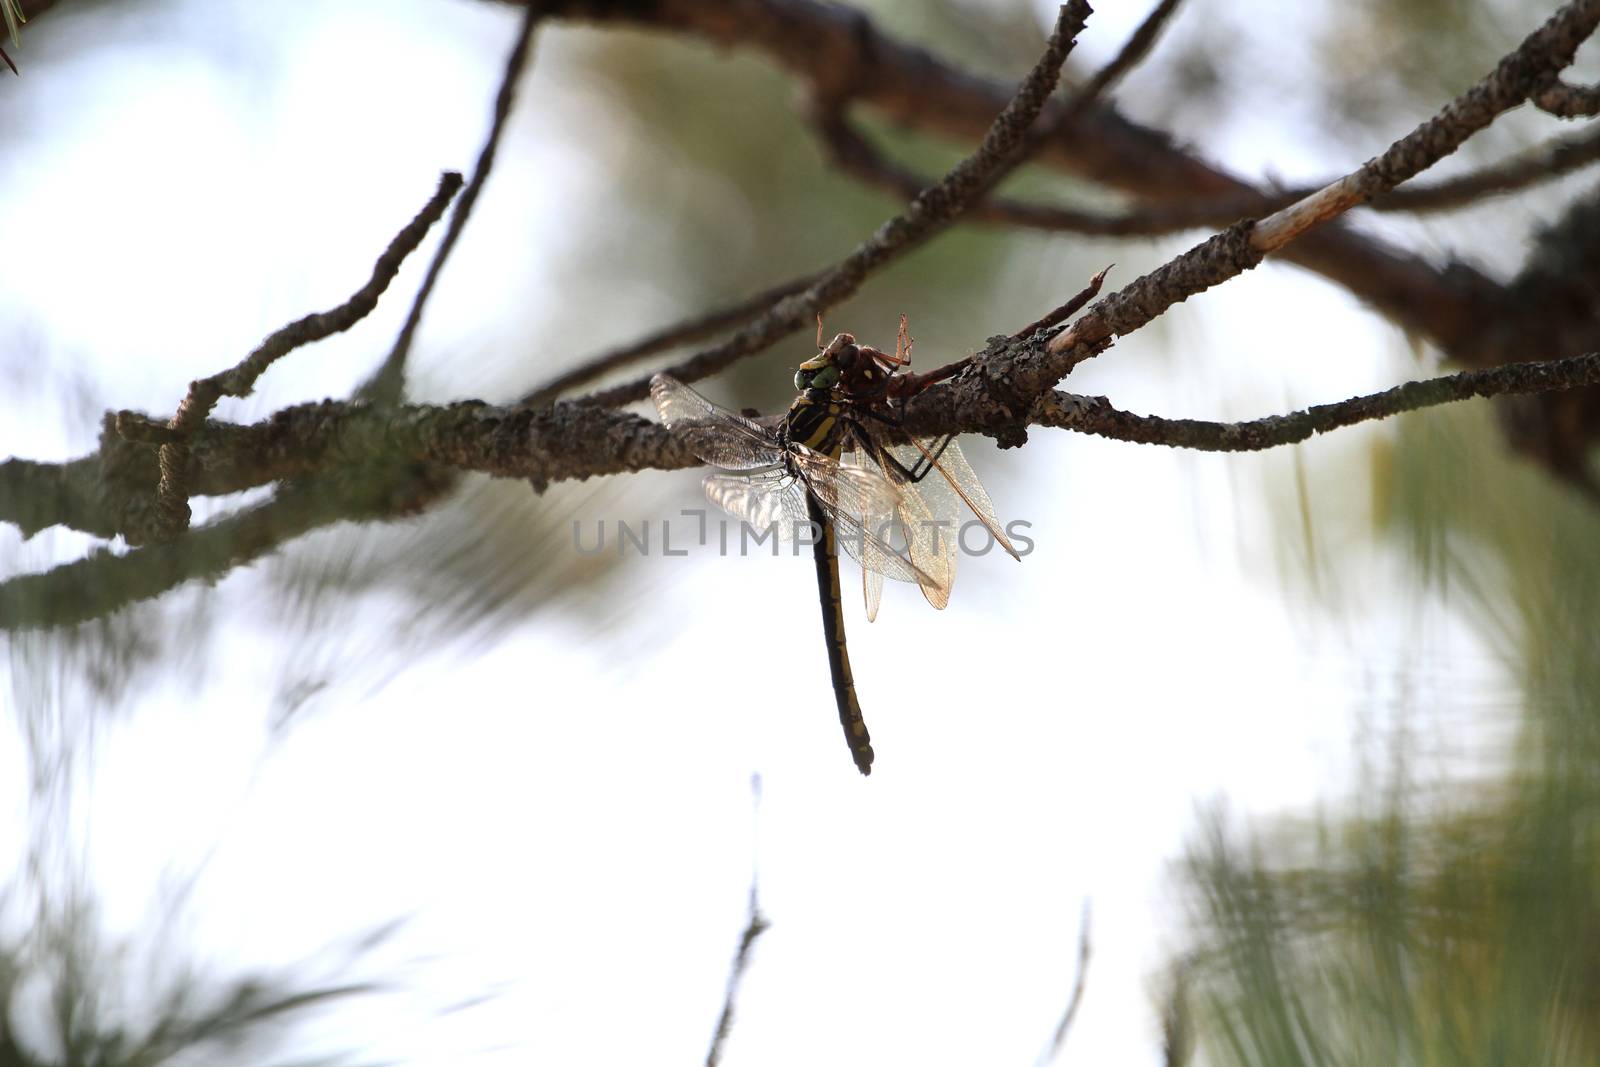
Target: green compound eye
x=816 y=374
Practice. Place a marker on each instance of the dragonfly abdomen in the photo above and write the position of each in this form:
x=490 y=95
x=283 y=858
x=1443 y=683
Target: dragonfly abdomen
x=826 y=553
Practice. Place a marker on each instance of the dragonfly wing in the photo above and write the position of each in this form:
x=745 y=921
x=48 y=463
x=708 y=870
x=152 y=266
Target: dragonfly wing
x=929 y=522
x=761 y=500
x=952 y=469
x=871 y=591
x=932 y=543
x=871 y=580
x=862 y=504
x=714 y=434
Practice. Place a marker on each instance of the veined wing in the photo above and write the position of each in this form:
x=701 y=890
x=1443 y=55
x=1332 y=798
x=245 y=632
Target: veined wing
x=928 y=522
x=871 y=580
x=765 y=499
x=860 y=502
x=949 y=483
x=777 y=500
x=714 y=434
x=951 y=469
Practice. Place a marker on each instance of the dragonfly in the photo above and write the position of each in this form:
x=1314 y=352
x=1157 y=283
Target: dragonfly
x=868 y=382
x=831 y=465
x=788 y=477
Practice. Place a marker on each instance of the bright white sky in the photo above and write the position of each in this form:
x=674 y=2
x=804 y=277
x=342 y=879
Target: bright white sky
x=566 y=816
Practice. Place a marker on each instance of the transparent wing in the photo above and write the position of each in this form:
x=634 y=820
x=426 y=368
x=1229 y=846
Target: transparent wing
x=933 y=544
x=871 y=591
x=871 y=580
x=952 y=471
x=763 y=499
x=862 y=504
x=950 y=488
x=714 y=434
x=925 y=521
x=776 y=500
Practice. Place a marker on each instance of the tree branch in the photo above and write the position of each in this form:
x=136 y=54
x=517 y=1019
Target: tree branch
x=577 y=441
x=1095 y=415
x=821 y=43
x=328 y=442
x=853 y=153
x=1547 y=49
x=38 y=495
x=1567 y=101
x=1134 y=49
x=1075 y=1000
x=754 y=928
x=386 y=385
x=337 y=446
x=695 y=328
x=930 y=211
x=172 y=496
x=103 y=582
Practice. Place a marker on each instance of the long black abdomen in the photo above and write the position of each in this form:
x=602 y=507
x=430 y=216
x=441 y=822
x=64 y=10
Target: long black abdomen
x=826 y=553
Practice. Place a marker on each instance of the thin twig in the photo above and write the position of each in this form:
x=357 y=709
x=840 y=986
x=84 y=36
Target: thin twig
x=922 y=91
x=741 y=960
x=1239 y=248
x=853 y=153
x=1064 y=1026
x=1134 y=49
x=930 y=211
x=692 y=329
x=1084 y=97
x=1558 y=98
x=915 y=89
x=1067 y=310
x=568 y=441
x=755 y=926
x=1543 y=162
x=1547 y=50
x=1095 y=415
x=385 y=386
x=172 y=497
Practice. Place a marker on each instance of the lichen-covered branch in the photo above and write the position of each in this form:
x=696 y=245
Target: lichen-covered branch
x=172 y=494
x=1567 y=101
x=1545 y=51
x=1096 y=415
x=328 y=452
x=34 y=496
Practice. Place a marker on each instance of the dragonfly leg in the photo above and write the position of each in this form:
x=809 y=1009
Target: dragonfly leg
x=925 y=462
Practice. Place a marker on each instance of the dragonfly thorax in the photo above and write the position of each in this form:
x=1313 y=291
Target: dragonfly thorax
x=815 y=420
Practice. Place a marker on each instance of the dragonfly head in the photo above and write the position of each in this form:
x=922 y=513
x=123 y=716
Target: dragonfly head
x=826 y=368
